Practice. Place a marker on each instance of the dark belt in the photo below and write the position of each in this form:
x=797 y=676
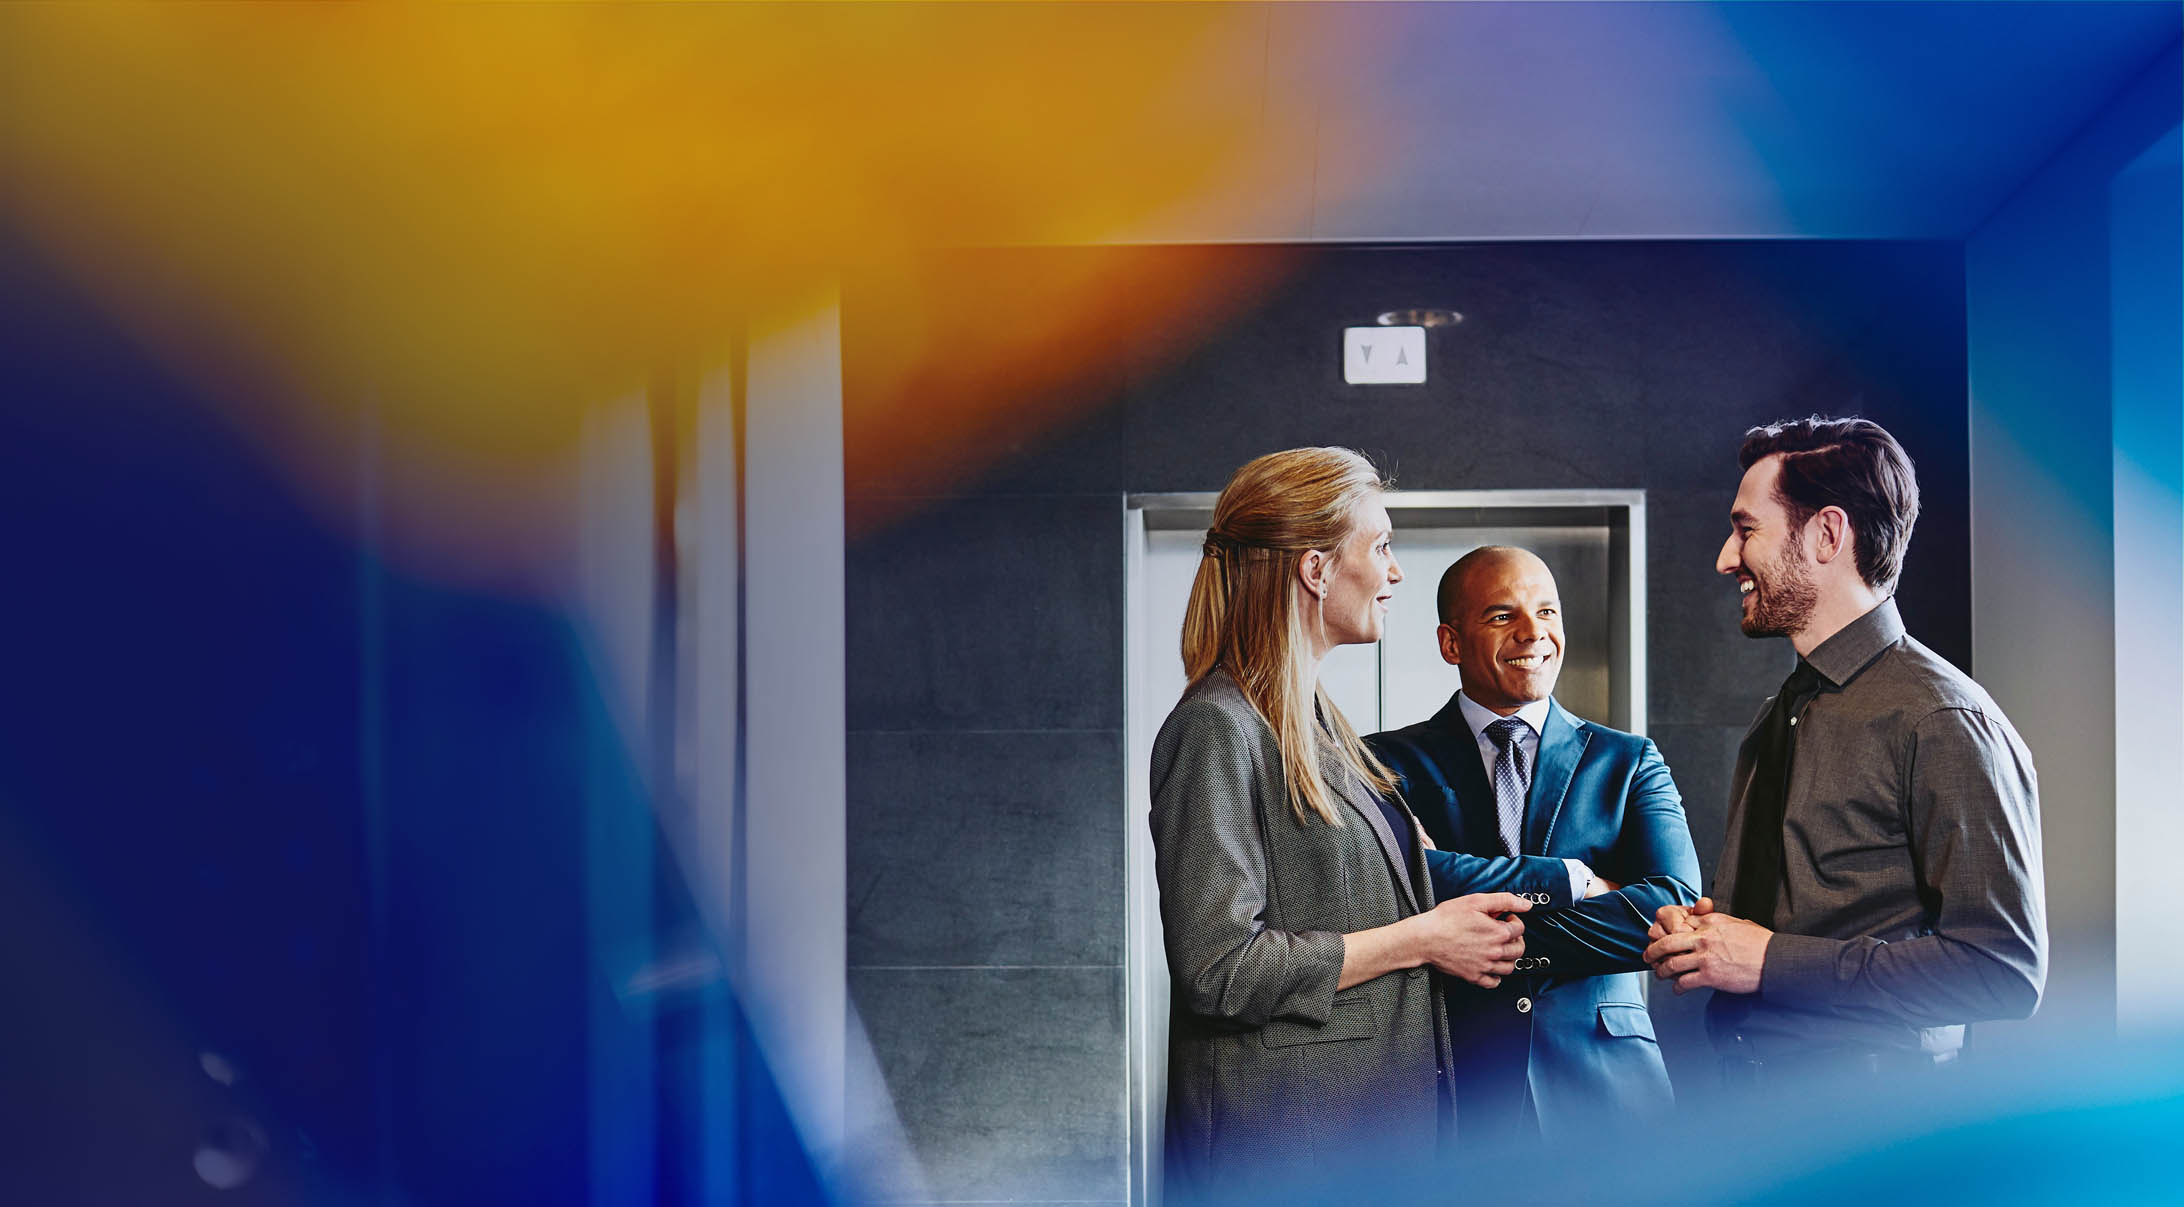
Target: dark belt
x=1744 y=1069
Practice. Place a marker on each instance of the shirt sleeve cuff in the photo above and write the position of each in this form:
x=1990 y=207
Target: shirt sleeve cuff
x=1580 y=879
x=1800 y=968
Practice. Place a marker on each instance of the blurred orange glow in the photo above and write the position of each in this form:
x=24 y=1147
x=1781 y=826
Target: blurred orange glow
x=478 y=221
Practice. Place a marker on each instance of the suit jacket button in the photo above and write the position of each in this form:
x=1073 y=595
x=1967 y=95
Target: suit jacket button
x=1524 y=1005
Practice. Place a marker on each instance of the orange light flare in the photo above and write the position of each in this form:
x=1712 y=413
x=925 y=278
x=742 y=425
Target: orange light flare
x=953 y=365
x=473 y=223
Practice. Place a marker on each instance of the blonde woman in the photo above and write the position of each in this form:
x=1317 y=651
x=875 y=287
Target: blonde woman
x=1305 y=1038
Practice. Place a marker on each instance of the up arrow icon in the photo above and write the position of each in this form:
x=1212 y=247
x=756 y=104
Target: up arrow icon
x=1403 y=364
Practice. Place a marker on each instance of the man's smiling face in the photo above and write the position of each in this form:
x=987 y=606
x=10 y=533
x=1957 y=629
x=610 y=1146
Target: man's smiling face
x=1506 y=638
x=1766 y=554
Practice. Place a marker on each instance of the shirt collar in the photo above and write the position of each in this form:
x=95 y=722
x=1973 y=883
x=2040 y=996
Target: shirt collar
x=1479 y=716
x=1841 y=657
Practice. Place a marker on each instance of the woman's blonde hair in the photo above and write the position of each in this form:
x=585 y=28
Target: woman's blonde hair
x=1245 y=614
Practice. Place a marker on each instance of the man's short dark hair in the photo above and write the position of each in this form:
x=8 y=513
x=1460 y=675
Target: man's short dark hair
x=1853 y=464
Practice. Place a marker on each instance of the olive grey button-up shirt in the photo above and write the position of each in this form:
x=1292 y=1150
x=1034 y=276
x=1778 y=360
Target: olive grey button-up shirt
x=1911 y=899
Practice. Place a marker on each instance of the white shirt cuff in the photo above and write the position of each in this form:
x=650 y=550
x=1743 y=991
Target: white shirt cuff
x=1580 y=879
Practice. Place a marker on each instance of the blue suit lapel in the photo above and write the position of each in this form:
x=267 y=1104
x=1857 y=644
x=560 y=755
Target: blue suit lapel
x=1561 y=748
x=1477 y=817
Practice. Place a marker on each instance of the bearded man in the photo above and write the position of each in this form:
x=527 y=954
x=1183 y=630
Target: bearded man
x=1880 y=883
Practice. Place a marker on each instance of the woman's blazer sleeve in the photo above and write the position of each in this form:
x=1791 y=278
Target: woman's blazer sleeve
x=1210 y=856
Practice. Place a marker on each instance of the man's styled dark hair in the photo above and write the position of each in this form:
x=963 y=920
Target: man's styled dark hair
x=1853 y=464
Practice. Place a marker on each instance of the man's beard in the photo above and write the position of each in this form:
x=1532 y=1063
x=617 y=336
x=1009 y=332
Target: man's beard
x=1783 y=599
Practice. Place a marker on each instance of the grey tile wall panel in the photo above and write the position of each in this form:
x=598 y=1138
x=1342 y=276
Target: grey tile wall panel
x=1009 y=1082
x=997 y=613
x=1067 y=442
x=1227 y=402
x=986 y=848
x=1702 y=758
x=1081 y=453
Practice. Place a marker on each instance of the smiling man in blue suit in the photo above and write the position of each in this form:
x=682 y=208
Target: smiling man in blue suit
x=1565 y=1045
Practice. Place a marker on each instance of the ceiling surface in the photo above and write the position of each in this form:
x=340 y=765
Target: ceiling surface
x=1648 y=120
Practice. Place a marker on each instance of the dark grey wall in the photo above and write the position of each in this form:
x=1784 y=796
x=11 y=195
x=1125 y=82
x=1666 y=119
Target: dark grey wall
x=985 y=629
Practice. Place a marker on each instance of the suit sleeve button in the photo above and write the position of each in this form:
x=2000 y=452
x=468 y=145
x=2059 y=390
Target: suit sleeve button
x=1542 y=962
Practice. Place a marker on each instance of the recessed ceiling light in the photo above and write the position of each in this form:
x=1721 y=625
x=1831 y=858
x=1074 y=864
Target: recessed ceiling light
x=1420 y=317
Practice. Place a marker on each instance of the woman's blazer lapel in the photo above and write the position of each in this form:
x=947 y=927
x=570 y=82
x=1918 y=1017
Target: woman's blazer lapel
x=1358 y=796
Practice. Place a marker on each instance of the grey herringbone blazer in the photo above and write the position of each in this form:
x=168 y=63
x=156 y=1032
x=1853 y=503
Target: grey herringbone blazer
x=1271 y=1072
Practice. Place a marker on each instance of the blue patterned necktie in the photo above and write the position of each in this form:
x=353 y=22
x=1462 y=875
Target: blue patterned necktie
x=1511 y=779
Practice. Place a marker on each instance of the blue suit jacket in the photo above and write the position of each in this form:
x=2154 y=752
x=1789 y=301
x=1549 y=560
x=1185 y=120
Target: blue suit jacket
x=1573 y=1030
